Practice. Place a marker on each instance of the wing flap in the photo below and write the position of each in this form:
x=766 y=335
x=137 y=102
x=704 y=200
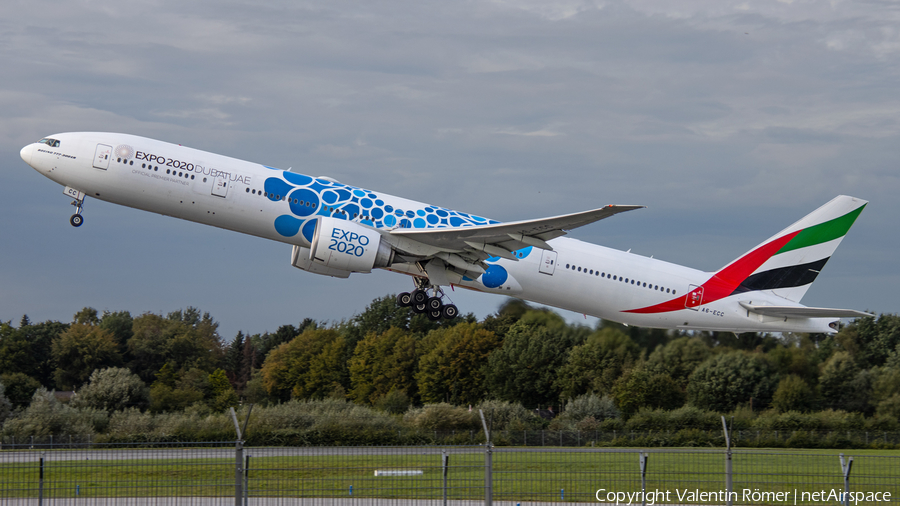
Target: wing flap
x=804 y=312
x=513 y=235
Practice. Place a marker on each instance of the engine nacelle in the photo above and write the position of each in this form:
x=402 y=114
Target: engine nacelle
x=300 y=259
x=347 y=246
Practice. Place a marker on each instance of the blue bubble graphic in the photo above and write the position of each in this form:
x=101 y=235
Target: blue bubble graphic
x=302 y=196
x=309 y=229
x=494 y=276
x=297 y=179
x=275 y=186
x=287 y=225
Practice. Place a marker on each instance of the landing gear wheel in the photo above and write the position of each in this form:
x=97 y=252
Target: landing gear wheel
x=434 y=304
x=434 y=315
x=419 y=296
x=449 y=312
x=404 y=299
x=419 y=308
x=76 y=220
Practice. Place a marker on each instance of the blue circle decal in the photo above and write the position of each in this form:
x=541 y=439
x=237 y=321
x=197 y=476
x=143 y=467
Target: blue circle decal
x=494 y=276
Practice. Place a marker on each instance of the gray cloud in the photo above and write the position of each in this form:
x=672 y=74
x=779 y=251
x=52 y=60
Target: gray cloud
x=729 y=119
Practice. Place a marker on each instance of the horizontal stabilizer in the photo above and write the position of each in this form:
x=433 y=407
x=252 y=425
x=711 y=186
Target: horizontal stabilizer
x=804 y=312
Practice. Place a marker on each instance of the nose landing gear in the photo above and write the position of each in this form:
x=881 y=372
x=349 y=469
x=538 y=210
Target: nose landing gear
x=433 y=306
x=77 y=219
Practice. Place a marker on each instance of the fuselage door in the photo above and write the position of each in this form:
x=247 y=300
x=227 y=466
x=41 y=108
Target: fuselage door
x=220 y=185
x=548 y=262
x=101 y=156
x=694 y=297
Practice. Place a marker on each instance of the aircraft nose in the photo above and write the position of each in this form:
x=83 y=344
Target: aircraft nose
x=26 y=153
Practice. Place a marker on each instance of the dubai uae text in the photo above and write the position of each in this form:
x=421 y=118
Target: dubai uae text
x=747 y=495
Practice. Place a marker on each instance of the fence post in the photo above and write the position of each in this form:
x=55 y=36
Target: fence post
x=845 y=470
x=238 y=462
x=445 y=463
x=488 y=464
x=247 y=480
x=41 y=482
x=728 y=476
x=643 y=462
x=238 y=473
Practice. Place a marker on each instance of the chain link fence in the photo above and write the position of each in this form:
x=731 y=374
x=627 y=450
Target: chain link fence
x=228 y=473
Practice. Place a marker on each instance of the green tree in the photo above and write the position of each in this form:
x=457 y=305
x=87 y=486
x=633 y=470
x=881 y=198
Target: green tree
x=793 y=394
x=309 y=366
x=87 y=316
x=591 y=405
x=121 y=325
x=20 y=388
x=453 y=370
x=869 y=340
x=595 y=365
x=724 y=381
x=843 y=385
x=79 y=351
x=524 y=368
x=679 y=357
x=641 y=387
x=113 y=389
x=186 y=339
x=381 y=363
x=5 y=404
x=221 y=393
x=798 y=357
x=165 y=398
x=47 y=416
x=28 y=349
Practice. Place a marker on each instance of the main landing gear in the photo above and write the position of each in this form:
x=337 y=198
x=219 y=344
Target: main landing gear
x=77 y=219
x=433 y=306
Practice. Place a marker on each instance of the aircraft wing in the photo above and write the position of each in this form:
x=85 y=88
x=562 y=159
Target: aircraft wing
x=508 y=236
x=804 y=312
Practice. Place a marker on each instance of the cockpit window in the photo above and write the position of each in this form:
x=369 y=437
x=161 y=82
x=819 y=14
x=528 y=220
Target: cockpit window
x=53 y=143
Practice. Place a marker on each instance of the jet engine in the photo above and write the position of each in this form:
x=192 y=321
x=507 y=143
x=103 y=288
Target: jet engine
x=340 y=247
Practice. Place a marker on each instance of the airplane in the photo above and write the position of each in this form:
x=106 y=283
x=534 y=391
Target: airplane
x=336 y=229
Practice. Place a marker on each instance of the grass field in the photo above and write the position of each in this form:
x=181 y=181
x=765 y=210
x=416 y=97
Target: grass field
x=519 y=474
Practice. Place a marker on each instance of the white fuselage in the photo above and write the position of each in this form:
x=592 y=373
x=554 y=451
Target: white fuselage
x=228 y=193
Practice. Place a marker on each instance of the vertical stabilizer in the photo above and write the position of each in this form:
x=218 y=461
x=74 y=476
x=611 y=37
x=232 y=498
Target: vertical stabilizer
x=788 y=262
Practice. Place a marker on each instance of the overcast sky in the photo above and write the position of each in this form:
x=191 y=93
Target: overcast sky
x=729 y=120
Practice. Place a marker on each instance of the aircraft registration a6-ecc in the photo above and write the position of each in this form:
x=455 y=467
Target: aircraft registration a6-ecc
x=337 y=229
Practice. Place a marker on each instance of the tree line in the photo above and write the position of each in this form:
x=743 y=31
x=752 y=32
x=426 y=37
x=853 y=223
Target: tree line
x=392 y=361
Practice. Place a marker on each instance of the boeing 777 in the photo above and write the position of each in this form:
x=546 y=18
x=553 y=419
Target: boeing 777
x=336 y=229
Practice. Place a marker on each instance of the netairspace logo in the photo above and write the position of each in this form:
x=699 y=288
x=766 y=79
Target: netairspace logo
x=747 y=496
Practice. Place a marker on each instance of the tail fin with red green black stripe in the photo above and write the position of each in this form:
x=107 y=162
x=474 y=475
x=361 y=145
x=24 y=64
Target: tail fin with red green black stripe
x=788 y=262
